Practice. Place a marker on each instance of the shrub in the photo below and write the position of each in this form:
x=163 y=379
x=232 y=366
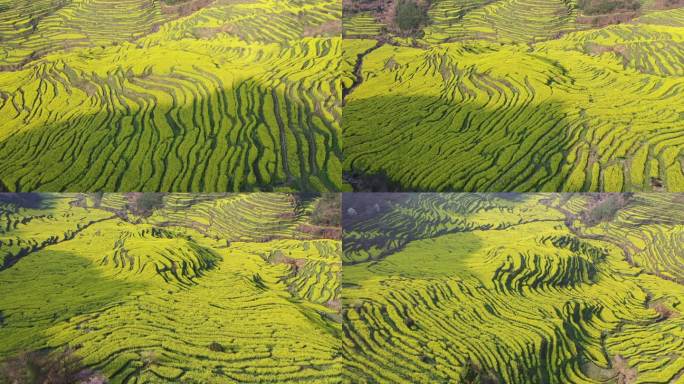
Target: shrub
x=97 y=199
x=144 y=203
x=216 y=347
x=475 y=374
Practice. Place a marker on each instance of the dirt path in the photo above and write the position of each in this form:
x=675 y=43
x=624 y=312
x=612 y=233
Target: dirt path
x=358 y=76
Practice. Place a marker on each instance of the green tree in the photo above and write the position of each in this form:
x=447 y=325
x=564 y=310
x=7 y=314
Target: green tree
x=410 y=16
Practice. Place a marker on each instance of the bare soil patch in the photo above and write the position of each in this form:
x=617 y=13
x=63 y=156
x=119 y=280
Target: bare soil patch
x=608 y=19
x=625 y=373
x=186 y=8
x=667 y=4
x=329 y=28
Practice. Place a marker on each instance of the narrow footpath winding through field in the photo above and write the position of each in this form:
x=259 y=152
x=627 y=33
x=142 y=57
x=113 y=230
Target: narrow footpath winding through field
x=358 y=75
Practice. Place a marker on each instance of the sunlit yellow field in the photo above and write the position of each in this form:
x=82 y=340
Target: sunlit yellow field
x=199 y=289
x=529 y=288
x=515 y=95
x=141 y=95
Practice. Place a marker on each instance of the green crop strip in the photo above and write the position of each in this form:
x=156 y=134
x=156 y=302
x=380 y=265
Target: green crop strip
x=133 y=96
x=161 y=298
x=516 y=95
x=513 y=289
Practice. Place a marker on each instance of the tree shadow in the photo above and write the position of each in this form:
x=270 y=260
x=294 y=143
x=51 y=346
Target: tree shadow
x=385 y=223
x=23 y=200
x=361 y=206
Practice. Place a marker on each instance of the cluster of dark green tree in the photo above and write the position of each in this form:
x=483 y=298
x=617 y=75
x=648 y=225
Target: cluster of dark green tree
x=411 y=15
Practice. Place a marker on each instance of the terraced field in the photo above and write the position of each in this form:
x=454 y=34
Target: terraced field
x=512 y=288
x=499 y=21
x=140 y=95
x=517 y=95
x=361 y=25
x=140 y=300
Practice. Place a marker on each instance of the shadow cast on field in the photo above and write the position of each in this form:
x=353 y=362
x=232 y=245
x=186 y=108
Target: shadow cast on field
x=47 y=290
x=250 y=137
x=29 y=200
x=360 y=206
x=429 y=278
x=399 y=143
x=411 y=220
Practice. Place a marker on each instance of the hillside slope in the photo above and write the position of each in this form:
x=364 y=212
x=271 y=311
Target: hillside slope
x=513 y=289
x=139 y=301
x=516 y=95
x=139 y=95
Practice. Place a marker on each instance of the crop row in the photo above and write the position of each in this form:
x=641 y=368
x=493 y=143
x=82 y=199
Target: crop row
x=275 y=136
x=429 y=215
x=569 y=116
x=32 y=29
x=363 y=24
x=501 y=21
x=176 y=260
x=266 y=21
x=143 y=302
x=657 y=246
x=27 y=230
x=153 y=113
x=529 y=303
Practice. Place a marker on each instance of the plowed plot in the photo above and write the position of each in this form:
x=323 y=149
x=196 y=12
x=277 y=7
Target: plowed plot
x=466 y=288
x=137 y=95
x=165 y=297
